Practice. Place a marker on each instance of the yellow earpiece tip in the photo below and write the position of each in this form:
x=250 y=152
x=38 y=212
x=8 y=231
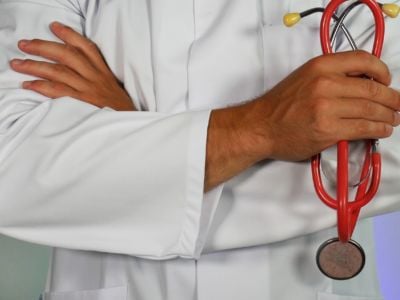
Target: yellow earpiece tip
x=291 y=19
x=390 y=9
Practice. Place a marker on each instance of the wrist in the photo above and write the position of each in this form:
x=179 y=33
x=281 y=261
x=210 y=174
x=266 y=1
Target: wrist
x=245 y=130
x=235 y=142
x=255 y=129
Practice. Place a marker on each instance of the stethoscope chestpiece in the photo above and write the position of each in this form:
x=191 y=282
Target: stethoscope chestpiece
x=340 y=260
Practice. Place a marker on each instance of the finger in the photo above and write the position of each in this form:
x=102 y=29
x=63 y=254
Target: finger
x=50 y=71
x=352 y=87
x=367 y=110
x=360 y=62
x=62 y=53
x=359 y=129
x=89 y=48
x=50 y=89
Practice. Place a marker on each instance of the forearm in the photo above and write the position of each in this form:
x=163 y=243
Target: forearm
x=233 y=144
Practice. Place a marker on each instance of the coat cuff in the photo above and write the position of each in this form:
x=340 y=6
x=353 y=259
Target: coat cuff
x=200 y=206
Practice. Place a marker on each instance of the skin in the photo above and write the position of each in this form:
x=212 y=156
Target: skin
x=322 y=102
x=79 y=70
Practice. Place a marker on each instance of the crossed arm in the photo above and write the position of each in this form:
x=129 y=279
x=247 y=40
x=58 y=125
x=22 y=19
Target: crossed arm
x=319 y=104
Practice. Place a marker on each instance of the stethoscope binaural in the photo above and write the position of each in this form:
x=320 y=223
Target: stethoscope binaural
x=342 y=258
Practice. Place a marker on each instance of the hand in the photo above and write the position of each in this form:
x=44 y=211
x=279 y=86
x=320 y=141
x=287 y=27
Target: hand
x=79 y=72
x=323 y=102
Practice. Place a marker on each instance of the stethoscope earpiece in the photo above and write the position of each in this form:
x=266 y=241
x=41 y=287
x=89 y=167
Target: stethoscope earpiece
x=291 y=19
x=391 y=10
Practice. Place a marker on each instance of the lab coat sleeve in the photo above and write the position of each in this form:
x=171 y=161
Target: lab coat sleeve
x=76 y=176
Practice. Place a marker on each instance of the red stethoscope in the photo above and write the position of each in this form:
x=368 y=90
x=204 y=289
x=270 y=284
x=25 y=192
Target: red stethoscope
x=342 y=258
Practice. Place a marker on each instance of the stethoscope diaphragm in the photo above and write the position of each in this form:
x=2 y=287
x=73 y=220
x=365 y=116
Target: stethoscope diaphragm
x=340 y=260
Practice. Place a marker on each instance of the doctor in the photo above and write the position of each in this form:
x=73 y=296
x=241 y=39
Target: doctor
x=177 y=185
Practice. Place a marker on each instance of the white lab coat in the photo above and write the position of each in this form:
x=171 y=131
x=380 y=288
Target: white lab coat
x=119 y=194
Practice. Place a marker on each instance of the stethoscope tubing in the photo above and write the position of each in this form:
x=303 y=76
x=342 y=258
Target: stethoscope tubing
x=347 y=212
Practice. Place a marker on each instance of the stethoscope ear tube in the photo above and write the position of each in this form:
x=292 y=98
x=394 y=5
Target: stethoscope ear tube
x=379 y=25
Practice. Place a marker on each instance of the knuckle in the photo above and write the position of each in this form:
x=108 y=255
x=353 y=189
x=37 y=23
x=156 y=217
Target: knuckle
x=364 y=56
x=57 y=68
x=389 y=131
x=367 y=109
x=373 y=88
x=68 y=52
x=57 y=86
x=322 y=84
x=69 y=48
x=321 y=106
x=397 y=102
x=384 y=130
x=396 y=99
x=91 y=45
x=51 y=84
x=37 y=84
x=320 y=126
x=28 y=63
x=392 y=118
x=387 y=71
x=363 y=128
x=317 y=64
x=374 y=129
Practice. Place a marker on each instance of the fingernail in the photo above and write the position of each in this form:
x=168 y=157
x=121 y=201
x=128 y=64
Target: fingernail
x=16 y=62
x=396 y=119
x=56 y=24
x=389 y=129
x=26 y=84
x=23 y=43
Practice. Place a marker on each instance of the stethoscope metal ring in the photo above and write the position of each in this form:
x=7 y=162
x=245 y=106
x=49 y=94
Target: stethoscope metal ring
x=340 y=260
